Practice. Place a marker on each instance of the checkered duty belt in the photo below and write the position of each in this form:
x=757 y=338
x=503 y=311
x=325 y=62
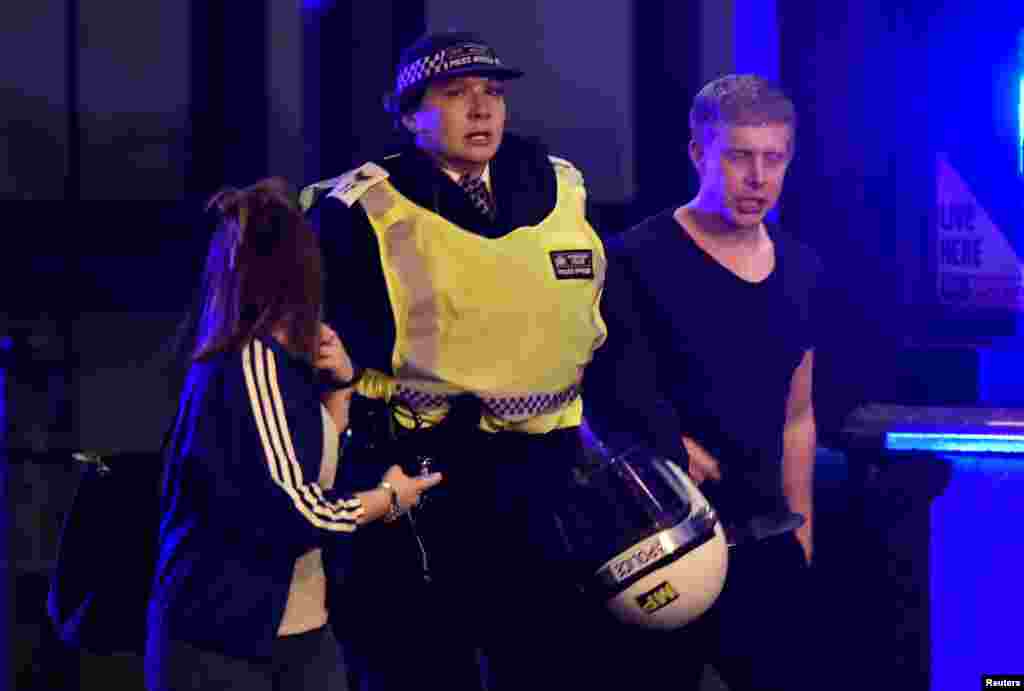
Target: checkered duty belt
x=503 y=407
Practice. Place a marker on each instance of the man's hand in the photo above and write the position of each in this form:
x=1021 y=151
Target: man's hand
x=804 y=537
x=703 y=466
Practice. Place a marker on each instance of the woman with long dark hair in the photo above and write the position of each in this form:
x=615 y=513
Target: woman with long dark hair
x=250 y=515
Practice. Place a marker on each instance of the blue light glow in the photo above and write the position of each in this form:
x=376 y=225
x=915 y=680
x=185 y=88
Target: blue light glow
x=1020 y=125
x=1020 y=102
x=1000 y=376
x=950 y=442
x=977 y=552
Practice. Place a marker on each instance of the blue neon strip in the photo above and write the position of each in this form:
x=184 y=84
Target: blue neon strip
x=1020 y=125
x=936 y=441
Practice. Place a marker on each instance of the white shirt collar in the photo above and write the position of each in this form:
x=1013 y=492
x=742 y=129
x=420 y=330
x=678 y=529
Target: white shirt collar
x=456 y=176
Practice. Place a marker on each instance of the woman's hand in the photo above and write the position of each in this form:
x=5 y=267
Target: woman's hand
x=408 y=491
x=333 y=360
x=409 y=488
x=332 y=356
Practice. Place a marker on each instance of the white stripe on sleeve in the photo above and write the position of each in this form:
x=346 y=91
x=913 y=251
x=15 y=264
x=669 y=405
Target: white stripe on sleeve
x=260 y=371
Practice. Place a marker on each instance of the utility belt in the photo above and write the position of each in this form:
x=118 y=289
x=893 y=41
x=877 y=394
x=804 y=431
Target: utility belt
x=507 y=408
x=440 y=446
x=478 y=466
x=402 y=407
x=383 y=433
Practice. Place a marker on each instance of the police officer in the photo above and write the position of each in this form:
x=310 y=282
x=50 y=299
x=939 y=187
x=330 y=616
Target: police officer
x=464 y=279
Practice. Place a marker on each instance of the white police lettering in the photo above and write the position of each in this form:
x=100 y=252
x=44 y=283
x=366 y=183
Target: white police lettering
x=647 y=553
x=470 y=60
x=354 y=184
x=460 y=56
x=573 y=264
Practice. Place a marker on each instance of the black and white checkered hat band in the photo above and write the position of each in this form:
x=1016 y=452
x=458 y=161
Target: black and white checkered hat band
x=457 y=57
x=503 y=407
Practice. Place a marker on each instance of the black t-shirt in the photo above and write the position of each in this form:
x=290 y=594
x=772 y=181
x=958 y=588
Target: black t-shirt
x=692 y=348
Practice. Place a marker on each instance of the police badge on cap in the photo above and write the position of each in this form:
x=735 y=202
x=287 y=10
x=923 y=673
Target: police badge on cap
x=445 y=55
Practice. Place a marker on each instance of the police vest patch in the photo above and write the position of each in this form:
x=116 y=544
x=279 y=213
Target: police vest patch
x=573 y=264
x=354 y=184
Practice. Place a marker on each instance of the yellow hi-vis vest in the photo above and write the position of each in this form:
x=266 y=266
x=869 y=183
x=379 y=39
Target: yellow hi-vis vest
x=513 y=320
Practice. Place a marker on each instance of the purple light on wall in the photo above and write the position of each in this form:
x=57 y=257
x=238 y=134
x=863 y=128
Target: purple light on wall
x=756 y=43
x=756 y=47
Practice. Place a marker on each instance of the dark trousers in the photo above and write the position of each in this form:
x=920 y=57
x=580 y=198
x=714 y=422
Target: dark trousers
x=308 y=661
x=758 y=635
x=501 y=609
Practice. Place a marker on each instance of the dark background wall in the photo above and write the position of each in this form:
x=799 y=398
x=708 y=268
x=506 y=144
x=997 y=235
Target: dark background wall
x=34 y=126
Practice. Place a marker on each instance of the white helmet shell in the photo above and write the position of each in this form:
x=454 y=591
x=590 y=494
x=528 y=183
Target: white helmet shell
x=677 y=592
x=670 y=578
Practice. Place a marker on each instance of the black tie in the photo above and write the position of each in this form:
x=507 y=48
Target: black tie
x=478 y=193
